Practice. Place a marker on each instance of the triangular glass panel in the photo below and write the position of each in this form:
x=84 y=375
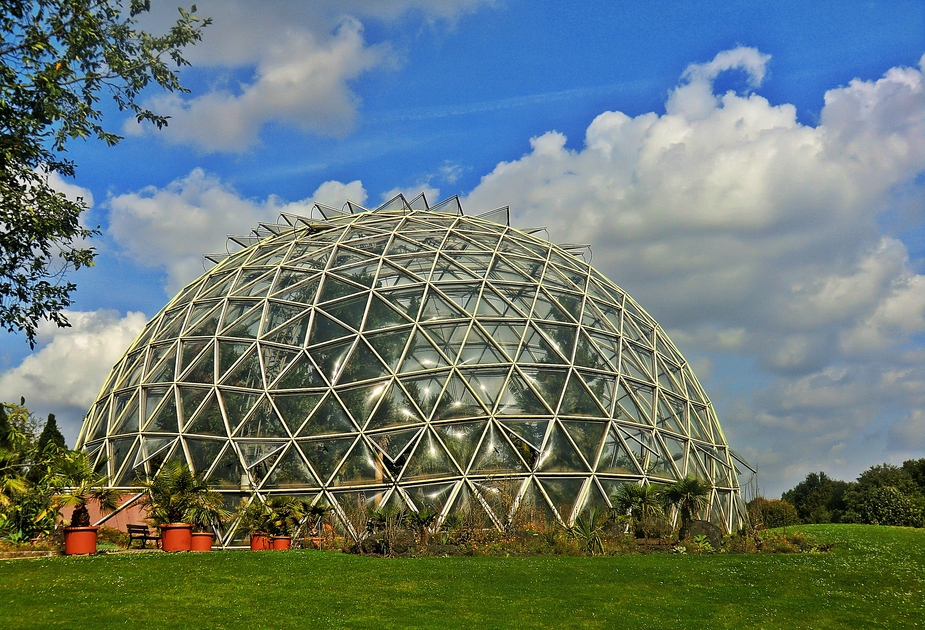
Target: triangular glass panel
x=247 y=327
x=503 y=271
x=436 y=308
x=330 y=358
x=586 y=436
x=276 y=360
x=228 y=472
x=278 y=314
x=670 y=417
x=347 y=257
x=229 y=352
x=263 y=422
x=518 y=398
x=693 y=388
x=609 y=347
x=325 y=455
x=315 y=261
x=475 y=263
x=291 y=333
x=562 y=338
x=464 y=296
x=349 y=311
x=132 y=375
x=304 y=292
x=361 y=401
x=496 y=455
x=448 y=337
x=587 y=355
x=164 y=371
x=209 y=420
x=291 y=472
x=492 y=304
x=171 y=324
x=246 y=373
x=165 y=418
x=236 y=310
x=395 y=409
x=237 y=405
x=425 y=391
x=431 y=496
x=531 y=431
x=254 y=453
x=601 y=387
x=406 y=301
x=151 y=446
x=570 y=303
x=676 y=452
x=325 y=329
x=536 y=349
x=446 y=270
x=402 y=246
x=480 y=350
x=295 y=408
x=644 y=397
x=520 y=296
x=128 y=421
x=360 y=467
x=300 y=374
x=486 y=383
x=429 y=460
x=336 y=288
x=505 y=335
x=562 y=494
x=417 y=266
x=616 y=458
x=124 y=452
x=199 y=311
x=329 y=417
x=391 y=276
x=190 y=399
x=203 y=453
x=207 y=326
x=394 y=443
x=421 y=355
x=218 y=284
x=257 y=288
x=390 y=345
x=577 y=401
x=382 y=315
x=592 y=318
x=534 y=510
x=362 y=365
x=556 y=280
x=191 y=351
x=289 y=278
x=461 y=439
x=700 y=424
x=559 y=455
x=457 y=402
x=549 y=383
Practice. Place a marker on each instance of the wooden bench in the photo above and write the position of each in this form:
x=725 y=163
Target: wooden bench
x=142 y=533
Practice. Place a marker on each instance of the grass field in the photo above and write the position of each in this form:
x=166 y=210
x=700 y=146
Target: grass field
x=874 y=577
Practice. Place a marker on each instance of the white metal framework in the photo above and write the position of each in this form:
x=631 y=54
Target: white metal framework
x=410 y=356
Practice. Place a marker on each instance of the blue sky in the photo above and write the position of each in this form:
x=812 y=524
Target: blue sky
x=753 y=176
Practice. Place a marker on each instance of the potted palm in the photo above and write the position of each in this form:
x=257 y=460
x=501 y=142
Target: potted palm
x=176 y=499
x=253 y=518
x=285 y=518
x=80 y=485
x=689 y=496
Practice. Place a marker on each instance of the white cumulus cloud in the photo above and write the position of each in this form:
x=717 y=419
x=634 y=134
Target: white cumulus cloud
x=749 y=232
x=65 y=375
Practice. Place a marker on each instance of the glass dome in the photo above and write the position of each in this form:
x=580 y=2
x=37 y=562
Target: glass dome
x=410 y=356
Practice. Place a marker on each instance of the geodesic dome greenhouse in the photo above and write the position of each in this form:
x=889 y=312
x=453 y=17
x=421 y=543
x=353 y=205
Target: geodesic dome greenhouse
x=410 y=356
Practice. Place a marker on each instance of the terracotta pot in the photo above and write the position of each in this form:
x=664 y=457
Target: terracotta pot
x=281 y=543
x=260 y=542
x=79 y=540
x=202 y=541
x=176 y=537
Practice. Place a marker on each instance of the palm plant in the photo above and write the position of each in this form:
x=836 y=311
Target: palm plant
x=589 y=528
x=79 y=484
x=689 y=496
x=421 y=522
x=642 y=503
x=176 y=495
x=285 y=515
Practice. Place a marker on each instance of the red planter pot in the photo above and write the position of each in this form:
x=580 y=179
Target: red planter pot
x=281 y=543
x=79 y=540
x=260 y=542
x=202 y=541
x=176 y=537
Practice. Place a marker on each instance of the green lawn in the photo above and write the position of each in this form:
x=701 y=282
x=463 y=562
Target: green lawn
x=874 y=577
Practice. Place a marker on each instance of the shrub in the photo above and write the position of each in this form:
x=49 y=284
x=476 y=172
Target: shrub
x=770 y=513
